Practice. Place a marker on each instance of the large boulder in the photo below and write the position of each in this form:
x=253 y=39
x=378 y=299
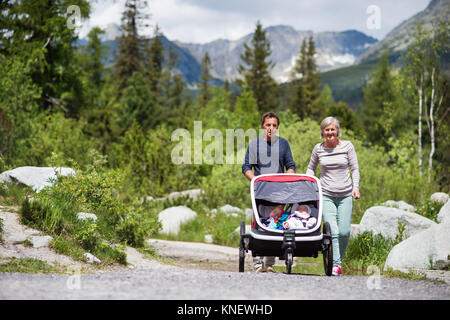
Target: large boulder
x=384 y=220
x=172 y=218
x=444 y=213
x=35 y=177
x=425 y=250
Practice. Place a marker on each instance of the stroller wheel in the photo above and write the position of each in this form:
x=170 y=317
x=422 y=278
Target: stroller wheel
x=289 y=262
x=242 y=248
x=327 y=250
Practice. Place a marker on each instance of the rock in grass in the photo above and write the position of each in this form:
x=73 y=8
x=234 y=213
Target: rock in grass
x=429 y=249
x=208 y=238
x=40 y=241
x=90 y=258
x=444 y=213
x=440 y=197
x=86 y=216
x=402 y=205
x=171 y=218
x=35 y=177
x=385 y=220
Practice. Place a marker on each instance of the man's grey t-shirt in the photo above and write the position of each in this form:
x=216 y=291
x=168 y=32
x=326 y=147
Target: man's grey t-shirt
x=334 y=168
x=268 y=157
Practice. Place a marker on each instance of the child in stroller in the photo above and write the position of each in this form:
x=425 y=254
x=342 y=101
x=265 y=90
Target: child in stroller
x=296 y=216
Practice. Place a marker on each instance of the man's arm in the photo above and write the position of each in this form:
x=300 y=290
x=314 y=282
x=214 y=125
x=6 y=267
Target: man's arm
x=289 y=161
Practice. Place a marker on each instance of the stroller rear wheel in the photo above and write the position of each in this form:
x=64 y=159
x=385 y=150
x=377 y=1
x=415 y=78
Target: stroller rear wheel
x=242 y=248
x=327 y=249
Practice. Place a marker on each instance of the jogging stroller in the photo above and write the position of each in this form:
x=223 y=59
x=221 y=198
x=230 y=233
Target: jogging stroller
x=269 y=190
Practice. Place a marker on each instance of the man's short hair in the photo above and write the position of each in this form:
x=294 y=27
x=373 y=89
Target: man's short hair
x=269 y=115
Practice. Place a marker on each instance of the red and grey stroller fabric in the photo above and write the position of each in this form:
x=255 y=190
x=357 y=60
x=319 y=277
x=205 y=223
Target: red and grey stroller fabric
x=299 y=194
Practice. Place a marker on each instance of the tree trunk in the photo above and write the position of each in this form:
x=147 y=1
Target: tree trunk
x=431 y=129
x=419 y=138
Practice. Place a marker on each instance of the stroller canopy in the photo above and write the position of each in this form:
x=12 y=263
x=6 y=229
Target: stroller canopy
x=286 y=189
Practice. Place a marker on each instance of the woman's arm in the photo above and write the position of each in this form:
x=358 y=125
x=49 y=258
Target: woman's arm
x=354 y=167
x=313 y=162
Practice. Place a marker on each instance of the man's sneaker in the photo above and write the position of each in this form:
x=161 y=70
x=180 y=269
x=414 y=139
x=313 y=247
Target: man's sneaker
x=269 y=269
x=260 y=269
x=336 y=271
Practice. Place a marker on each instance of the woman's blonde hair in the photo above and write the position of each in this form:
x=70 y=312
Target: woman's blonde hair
x=326 y=122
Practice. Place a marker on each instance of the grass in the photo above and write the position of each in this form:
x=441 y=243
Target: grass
x=220 y=225
x=29 y=265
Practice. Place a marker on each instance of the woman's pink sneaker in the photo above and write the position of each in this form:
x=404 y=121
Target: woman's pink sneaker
x=336 y=271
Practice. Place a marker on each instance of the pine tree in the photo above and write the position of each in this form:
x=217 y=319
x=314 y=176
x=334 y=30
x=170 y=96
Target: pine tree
x=257 y=73
x=379 y=98
x=312 y=84
x=304 y=95
x=206 y=78
x=155 y=60
x=96 y=54
x=297 y=90
x=129 y=59
x=37 y=31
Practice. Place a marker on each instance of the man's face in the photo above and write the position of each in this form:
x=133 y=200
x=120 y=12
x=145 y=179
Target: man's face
x=270 y=127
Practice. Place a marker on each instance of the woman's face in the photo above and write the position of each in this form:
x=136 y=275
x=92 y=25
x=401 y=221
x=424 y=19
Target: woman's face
x=330 y=133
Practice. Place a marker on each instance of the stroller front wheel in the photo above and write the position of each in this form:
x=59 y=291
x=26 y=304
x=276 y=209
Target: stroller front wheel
x=289 y=261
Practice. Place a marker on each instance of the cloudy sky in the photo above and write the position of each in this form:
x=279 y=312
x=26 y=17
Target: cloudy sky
x=202 y=21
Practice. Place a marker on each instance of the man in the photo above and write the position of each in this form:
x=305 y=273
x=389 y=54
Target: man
x=268 y=154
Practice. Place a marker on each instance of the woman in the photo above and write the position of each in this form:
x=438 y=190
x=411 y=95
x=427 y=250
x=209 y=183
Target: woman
x=335 y=157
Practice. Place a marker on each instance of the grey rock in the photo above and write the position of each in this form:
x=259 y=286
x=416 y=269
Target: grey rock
x=40 y=241
x=208 y=238
x=248 y=213
x=229 y=211
x=90 y=258
x=402 y=205
x=35 y=177
x=425 y=250
x=86 y=216
x=385 y=220
x=247 y=229
x=193 y=194
x=444 y=213
x=354 y=230
x=172 y=218
x=440 y=197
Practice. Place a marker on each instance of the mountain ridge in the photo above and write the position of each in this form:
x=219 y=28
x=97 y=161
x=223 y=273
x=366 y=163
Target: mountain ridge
x=334 y=49
x=400 y=37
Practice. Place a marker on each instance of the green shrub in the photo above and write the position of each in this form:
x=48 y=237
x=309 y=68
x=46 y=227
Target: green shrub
x=367 y=249
x=96 y=190
x=429 y=209
x=88 y=236
x=136 y=227
x=222 y=229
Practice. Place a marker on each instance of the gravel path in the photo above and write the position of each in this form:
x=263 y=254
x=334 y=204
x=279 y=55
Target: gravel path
x=168 y=282
x=201 y=271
